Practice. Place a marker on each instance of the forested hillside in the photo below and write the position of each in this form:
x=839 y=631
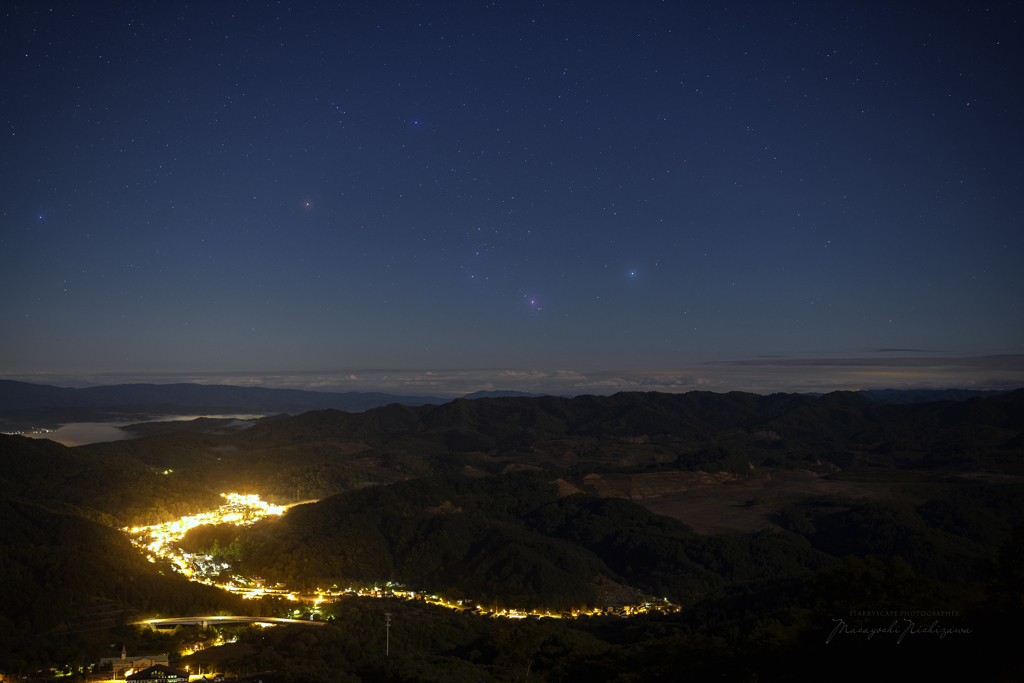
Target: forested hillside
x=509 y=542
x=319 y=453
x=541 y=503
x=56 y=565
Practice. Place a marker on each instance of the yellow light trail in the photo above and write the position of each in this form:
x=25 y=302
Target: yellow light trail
x=161 y=540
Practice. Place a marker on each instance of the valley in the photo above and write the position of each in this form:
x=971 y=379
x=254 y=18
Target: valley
x=513 y=524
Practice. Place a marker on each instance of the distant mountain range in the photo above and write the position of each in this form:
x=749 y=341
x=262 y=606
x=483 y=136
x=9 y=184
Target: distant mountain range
x=509 y=393
x=26 y=396
x=925 y=395
x=185 y=398
x=904 y=396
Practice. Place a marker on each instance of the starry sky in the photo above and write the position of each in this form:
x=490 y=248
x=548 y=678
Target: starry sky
x=569 y=197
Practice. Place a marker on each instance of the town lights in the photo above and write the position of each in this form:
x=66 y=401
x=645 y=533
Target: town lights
x=161 y=541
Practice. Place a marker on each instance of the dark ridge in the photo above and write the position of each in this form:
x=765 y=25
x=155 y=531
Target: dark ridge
x=502 y=394
x=898 y=396
x=24 y=396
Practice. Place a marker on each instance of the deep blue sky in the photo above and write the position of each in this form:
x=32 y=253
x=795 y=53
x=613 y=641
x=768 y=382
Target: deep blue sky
x=322 y=188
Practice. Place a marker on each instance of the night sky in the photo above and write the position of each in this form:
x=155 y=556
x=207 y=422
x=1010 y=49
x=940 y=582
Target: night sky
x=446 y=197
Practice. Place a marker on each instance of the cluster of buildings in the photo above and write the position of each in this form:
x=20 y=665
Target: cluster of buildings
x=160 y=540
x=204 y=566
x=161 y=673
x=125 y=666
x=149 y=669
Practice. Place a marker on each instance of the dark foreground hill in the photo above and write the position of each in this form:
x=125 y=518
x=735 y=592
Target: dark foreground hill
x=496 y=500
x=57 y=566
x=113 y=489
x=754 y=607
x=508 y=541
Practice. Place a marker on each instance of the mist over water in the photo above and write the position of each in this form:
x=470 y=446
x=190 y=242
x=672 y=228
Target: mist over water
x=83 y=433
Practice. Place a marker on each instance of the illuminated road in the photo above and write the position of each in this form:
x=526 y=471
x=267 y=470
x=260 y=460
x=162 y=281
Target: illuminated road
x=162 y=541
x=221 y=621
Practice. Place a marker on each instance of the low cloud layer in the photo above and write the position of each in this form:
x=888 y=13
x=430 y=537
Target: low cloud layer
x=82 y=433
x=761 y=375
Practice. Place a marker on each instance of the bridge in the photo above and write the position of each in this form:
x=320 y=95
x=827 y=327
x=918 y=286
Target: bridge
x=171 y=622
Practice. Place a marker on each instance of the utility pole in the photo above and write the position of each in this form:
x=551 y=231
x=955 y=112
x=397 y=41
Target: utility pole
x=387 y=646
